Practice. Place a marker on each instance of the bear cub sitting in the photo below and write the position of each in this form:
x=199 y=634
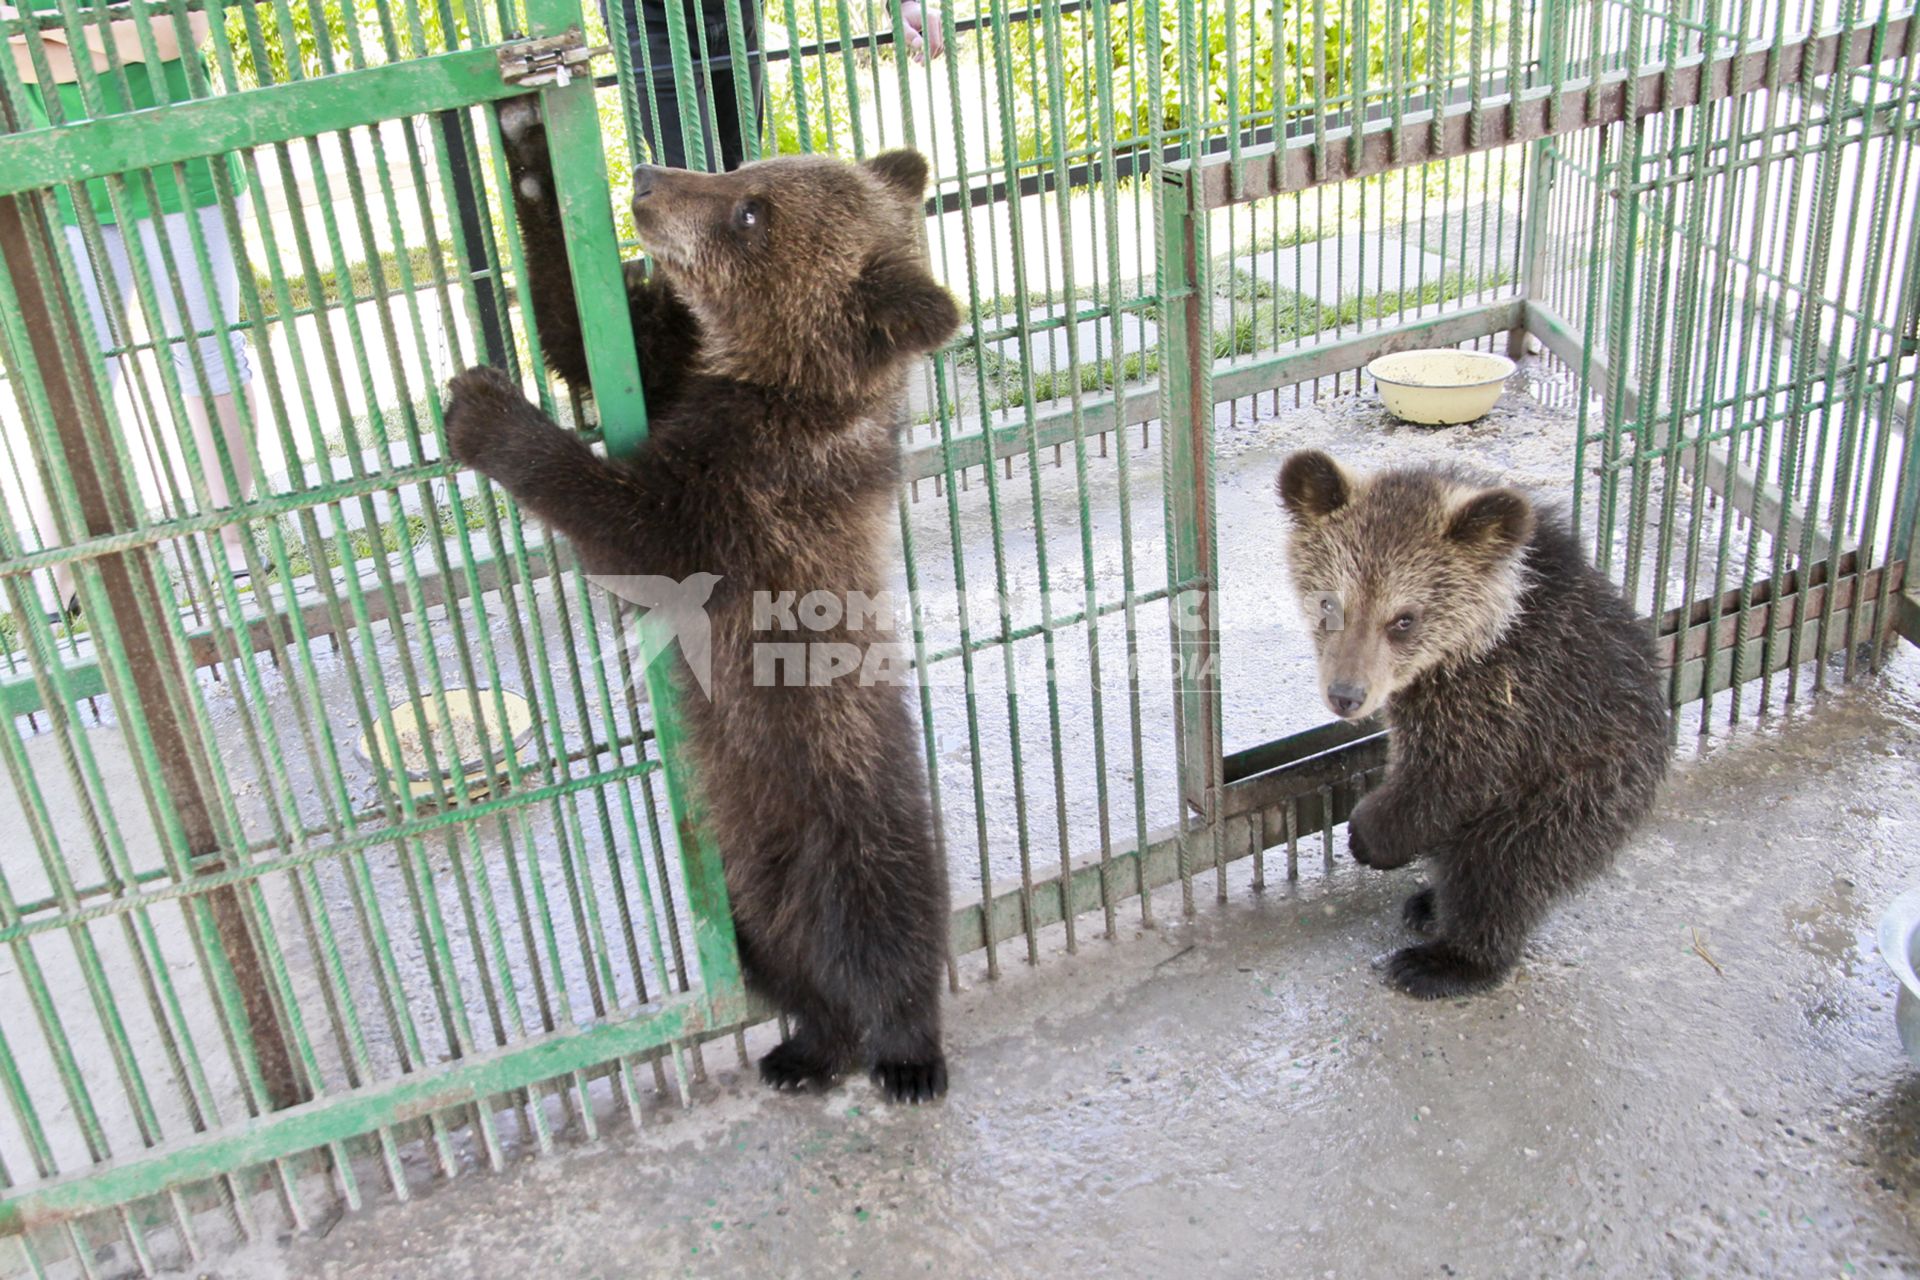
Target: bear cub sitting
x=787 y=302
x=1527 y=731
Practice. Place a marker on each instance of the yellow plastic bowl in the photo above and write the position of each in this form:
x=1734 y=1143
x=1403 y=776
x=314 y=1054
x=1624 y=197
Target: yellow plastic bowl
x=469 y=708
x=1440 y=386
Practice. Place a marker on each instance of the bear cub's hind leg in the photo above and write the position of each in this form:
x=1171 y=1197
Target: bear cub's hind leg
x=1418 y=912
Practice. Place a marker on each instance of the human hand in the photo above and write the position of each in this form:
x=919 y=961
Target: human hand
x=920 y=30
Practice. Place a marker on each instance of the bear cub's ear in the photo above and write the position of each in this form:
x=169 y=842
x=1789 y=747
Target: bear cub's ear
x=1495 y=520
x=1312 y=486
x=907 y=311
x=904 y=171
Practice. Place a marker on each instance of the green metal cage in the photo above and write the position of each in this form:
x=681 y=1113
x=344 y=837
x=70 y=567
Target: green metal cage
x=268 y=945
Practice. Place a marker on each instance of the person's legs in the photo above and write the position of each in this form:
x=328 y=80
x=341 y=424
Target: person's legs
x=653 y=86
x=675 y=100
x=214 y=402
x=714 y=104
x=39 y=496
x=732 y=135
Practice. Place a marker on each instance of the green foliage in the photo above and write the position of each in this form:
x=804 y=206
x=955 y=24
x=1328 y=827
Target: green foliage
x=1266 y=57
x=382 y=33
x=421 y=260
x=808 y=97
x=1267 y=319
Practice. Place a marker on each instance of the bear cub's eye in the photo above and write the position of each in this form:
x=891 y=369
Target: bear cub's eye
x=1403 y=623
x=748 y=214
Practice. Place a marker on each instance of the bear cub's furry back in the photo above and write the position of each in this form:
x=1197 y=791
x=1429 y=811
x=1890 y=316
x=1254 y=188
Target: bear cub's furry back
x=1526 y=728
x=788 y=301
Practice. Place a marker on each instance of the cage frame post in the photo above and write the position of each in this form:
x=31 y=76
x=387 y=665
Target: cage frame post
x=613 y=362
x=1186 y=386
x=1538 y=173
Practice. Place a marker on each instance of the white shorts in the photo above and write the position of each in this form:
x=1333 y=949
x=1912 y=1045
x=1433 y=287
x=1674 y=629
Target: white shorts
x=226 y=281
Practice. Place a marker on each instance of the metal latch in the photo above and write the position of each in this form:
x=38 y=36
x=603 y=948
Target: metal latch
x=548 y=60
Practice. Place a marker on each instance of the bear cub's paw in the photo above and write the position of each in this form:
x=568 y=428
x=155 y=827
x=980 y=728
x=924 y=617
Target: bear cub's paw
x=524 y=134
x=1360 y=842
x=793 y=1067
x=1374 y=836
x=922 y=1080
x=1417 y=913
x=1434 y=971
x=1357 y=841
x=522 y=128
x=484 y=410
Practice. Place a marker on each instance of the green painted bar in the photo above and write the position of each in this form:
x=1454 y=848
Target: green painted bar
x=600 y=291
x=474 y=1081
x=276 y=113
x=1186 y=445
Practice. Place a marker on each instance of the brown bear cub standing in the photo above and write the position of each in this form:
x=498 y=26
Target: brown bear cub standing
x=1527 y=734
x=790 y=299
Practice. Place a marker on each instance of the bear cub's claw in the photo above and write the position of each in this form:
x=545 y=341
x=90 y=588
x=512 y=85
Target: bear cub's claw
x=1417 y=913
x=791 y=1067
x=921 y=1081
x=1434 y=971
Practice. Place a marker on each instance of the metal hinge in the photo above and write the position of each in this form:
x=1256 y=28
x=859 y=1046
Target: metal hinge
x=548 y=60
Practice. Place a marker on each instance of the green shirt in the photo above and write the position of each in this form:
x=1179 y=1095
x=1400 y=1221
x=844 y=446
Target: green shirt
x=198 y=174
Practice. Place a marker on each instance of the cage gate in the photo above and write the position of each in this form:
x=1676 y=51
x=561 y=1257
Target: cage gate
x=246 y=969
x=1161 y=219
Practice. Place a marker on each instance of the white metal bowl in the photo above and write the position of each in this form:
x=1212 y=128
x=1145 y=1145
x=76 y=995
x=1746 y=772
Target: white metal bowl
x=417 y=720
x=1440 y=386
x=1900 y=944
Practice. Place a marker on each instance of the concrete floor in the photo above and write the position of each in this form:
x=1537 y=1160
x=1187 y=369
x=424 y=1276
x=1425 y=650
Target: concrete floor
x=1695 y=1073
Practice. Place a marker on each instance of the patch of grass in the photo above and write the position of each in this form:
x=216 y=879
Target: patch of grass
x=367 y=542
x=301 y=292
x=375 y=428
x=356 y=545
x=1268 y=323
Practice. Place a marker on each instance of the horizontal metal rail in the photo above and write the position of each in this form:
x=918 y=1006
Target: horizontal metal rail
x=339 y=1117
x=318 y=609
x=1420 y=137
x=1759 y=499
x=182 y=131
x=305 y=852
x=1234 y=378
